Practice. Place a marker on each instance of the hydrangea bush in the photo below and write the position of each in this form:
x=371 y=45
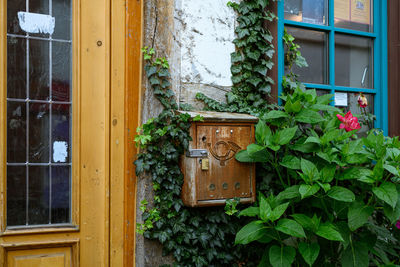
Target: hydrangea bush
x=327 y=198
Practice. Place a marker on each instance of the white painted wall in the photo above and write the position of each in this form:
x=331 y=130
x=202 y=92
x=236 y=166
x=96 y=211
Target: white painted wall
x=207 y=32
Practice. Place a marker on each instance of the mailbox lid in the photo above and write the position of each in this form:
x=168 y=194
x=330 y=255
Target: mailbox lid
x=226 y=177
x=212 y=116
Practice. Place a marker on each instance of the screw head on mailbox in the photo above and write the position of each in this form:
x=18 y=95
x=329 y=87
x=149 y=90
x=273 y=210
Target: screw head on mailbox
x=211 y=173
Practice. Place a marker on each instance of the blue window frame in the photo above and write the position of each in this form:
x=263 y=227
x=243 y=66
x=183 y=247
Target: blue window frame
x=378 y=37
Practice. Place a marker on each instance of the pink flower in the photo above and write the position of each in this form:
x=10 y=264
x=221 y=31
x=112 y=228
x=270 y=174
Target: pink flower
x=362 y=100
x=350 y=123
x=398 y=224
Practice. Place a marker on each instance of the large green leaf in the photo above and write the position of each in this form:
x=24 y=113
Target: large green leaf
x=356 y=255
x=393 y=214
x=265 y=209
x=358 y=215
x=291 y=162
x=308 y=116
x=329 y=231
x=278 y=211
x=284 y=136
x=290 y=227
x=250 y=212
x=306 y=190
x=275 y=114
x=281 y=256
x=289 y=193
x=387 y=192
x=306 y=221
x=263 y=132
x=251 y=232
x=260 y=156
x=309 y=169
x=341 y=194
x=309 y=252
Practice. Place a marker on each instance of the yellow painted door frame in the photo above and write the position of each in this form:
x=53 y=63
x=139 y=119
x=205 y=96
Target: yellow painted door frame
x=106 y=97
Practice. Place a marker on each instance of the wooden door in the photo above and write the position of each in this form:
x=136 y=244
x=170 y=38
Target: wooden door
x=61 y=126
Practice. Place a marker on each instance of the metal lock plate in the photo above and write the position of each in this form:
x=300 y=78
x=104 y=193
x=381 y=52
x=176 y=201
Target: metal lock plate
x=205 y=164
x=197 y=153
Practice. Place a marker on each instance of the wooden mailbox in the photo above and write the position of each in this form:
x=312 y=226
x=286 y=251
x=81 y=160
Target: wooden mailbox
x=211 y=172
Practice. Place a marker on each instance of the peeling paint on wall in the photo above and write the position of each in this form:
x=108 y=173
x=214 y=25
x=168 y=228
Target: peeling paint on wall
x=206 y=42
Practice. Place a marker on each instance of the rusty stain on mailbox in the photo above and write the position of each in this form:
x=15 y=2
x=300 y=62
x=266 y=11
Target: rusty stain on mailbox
x=211 y=172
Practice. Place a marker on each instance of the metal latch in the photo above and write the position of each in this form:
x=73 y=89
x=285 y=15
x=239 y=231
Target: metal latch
x=197 y=153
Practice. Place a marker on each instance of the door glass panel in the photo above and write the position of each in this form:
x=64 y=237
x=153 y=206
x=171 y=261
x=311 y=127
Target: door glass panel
x=39 y=115
x=354 y=14
x=354 y=61
x=313 y=47
x=309 y=11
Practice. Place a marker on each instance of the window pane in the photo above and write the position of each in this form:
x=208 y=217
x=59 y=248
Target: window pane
x=354 y=61
x=16 y=195
x=39 y=60
x=62 y=12
x=16 y=132
x=313 y=47
x=39 y=133
x=309 y=11
x=61 y=137
x=62 y=72
x=16 y=68
x=354 y=14
x=38 y=210
x=39 y=7
x=60 y=194
x=13 y=7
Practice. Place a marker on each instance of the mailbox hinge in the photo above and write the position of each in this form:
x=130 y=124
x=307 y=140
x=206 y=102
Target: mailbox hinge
x=197 y=153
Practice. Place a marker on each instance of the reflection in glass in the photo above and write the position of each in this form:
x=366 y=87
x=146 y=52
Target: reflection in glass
x=313 y=46
x=13 y=7
x=16 y=195
x=308 y=11
x=354 y=14
x=62 y=68
x=16 y=68
x=16 y=132
x=39 y=133
x=38 y=210
x=60 y=194
x=62 y=12
x=39 y=69
x=353 y=61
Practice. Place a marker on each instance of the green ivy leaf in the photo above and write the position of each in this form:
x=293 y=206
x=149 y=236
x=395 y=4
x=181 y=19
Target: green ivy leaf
x=250 y=232
x=387 y=192
x=281 y=256
x=290 y=227
x=329 y=231
x=358 y=215
x=341 y=194
x=306 y=190
x=309 y=252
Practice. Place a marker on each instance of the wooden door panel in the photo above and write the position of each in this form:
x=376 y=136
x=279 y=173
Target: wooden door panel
x=51 y=257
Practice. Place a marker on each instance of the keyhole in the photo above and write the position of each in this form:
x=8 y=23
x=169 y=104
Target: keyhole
x=204 y=139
